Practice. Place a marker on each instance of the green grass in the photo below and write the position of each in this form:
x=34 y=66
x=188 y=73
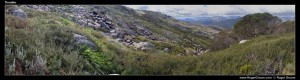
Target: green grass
x=164 y=30
x=264 y=49
x=51 y=37
x=47 y=39
x=248 y=58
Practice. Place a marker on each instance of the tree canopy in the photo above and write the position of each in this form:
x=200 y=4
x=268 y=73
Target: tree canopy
x=256 y=24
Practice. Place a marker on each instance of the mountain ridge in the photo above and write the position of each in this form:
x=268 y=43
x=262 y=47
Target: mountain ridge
x=226 y=22
x=130 y=26
x=111 y=39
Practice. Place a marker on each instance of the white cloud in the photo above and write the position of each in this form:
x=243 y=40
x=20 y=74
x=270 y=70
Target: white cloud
x=203 y=10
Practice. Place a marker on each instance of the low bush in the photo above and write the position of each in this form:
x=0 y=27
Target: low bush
x=15 y=22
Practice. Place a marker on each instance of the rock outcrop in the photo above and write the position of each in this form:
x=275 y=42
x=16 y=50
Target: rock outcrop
x=166 y=50
x=144 y=46
x=83 y=41
x=120 y=25
x=16 y=11
x=243 y=41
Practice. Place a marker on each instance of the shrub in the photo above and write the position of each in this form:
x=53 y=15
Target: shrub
x=13 y=56
x=15 y=22
x=60 y=35
x=53 y=43
x=289 y=69
x=285 y=27
x=101 y=63
x=245 y=69
x=37 y=65
x=141 y=38
x=66 y=22
x=54 y=46
x=223 y=40
x=10 y=8
x=253 y=25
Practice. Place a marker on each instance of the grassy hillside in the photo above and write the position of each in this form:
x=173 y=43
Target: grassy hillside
x=249 y=58
x=43 y=45
x=254 y=55
x=165 y=28
x=50 y=37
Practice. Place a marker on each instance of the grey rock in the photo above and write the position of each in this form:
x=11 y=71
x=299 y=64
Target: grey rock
x=180 y=54
x=104 y=25
x=82 y=40
x=109 y=22
x=131 y=32
x=187 y=51
x=45 y=8
x=144 y=32
x=118 y=39
x=79 y=10
x=33 y=6
x=18 y=13
x=82 y=22
x=91 y=25
x=108 y=17
x=144 y=46
x=194 y=51
x=128 y=41
x=151 y=37
x=112 y=31
x=120 y=34
x=166 y=50
x=97 y=26
x=114 y=35
x=243 y=41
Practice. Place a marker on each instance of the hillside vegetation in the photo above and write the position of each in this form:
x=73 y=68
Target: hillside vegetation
x=43 y=43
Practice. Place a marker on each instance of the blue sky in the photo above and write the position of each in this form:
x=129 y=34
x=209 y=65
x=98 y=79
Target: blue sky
x=217 y=10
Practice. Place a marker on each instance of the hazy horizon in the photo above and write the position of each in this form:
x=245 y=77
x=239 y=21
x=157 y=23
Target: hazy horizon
x=181 y=11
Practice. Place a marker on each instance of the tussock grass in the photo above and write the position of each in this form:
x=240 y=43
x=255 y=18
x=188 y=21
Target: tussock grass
x=45 y=47
x=248 y=58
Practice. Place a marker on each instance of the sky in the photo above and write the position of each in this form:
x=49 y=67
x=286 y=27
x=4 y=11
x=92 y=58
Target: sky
x=217 y=10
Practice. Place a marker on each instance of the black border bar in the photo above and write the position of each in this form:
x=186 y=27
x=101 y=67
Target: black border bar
x=165 y=2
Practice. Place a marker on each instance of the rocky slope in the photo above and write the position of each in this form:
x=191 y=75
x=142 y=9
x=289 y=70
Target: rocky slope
x=43 y=40
x=134 y=27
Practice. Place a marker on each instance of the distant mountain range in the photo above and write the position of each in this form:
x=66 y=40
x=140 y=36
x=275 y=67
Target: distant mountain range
x=226 y=22
x=117 y=40
x=285 y=18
